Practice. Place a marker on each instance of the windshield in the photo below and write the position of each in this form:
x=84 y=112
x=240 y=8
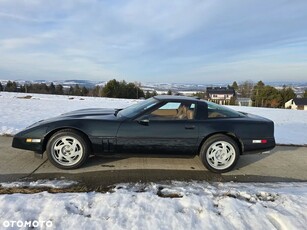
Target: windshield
x=135 y=109
x=217 y=111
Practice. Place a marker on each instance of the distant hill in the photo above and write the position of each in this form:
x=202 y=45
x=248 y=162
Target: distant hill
x=158 y=86
x=65 y=83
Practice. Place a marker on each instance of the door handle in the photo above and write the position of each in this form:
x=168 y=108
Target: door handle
x=189 y=127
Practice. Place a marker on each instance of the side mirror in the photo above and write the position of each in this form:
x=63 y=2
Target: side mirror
x=144 y=121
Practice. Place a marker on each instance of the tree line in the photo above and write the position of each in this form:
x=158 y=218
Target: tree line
x=114 y=89
x=43 y=88
x=265 y=95
x=121 y=89
x=261 y=95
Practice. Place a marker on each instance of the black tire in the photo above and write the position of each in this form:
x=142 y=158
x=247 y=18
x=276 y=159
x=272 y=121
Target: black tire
x=220 y=153
x=68 y=149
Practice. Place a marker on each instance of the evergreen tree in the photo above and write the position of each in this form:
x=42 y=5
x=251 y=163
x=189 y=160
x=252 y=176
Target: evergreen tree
x=59 y=90
x=232 y=101
x=286 y=94
x=1 y=87
x=147 y=94
x=11 y=86
x=39 y=88
x=96 y=92
x=84 y=91
x=133 y=91
x=271 y=97
x=257 y=92
x=117 y=89
x=267 y=96
x=235 y=86
x=305 y=94
x=77 y=90
x=150 y=94
x=51 y=88
x=169 y=92
x=111 y=89
x=22 y=88
x=71 y=91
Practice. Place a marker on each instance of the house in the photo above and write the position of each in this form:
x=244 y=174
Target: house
x=297 y=104
x=244 y=101
x=220 y=95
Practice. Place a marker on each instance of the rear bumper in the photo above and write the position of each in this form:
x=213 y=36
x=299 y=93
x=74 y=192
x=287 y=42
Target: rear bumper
x=249 y=146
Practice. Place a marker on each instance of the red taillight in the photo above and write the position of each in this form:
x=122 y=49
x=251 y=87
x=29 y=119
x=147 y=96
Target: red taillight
x=260 y=141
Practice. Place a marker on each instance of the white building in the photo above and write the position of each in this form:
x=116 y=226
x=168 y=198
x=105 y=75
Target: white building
x=297 y=104
x=220 y=95
x=242 y=101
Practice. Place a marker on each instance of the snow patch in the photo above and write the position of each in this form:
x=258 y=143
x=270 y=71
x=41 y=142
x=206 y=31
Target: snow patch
x=17 y=113
x=202 y=205
x=39 y=184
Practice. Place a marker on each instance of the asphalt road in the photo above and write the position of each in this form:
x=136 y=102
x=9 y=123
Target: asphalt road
x=284 y=163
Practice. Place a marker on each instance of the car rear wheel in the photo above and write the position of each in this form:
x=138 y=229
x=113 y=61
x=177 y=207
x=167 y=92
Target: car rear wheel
x=220 y=153
x=67 y=149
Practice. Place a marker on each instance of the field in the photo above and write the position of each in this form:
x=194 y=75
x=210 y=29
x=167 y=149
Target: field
x=165 y=205
x=20 y=110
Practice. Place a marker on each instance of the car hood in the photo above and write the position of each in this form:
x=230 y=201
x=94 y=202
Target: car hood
x=95 y=113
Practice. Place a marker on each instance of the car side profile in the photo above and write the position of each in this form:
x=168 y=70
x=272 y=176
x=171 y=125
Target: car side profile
x=161 y=124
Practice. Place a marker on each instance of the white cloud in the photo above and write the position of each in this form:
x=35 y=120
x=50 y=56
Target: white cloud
x=139 y=39
x=166 y=19
x=15 y=43
x=53 y=67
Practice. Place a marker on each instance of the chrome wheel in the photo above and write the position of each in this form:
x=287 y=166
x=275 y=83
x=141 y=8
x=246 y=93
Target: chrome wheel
x=67 y=151
x=221 y=155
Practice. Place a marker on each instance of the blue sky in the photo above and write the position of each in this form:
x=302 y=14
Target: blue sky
x=188 y=41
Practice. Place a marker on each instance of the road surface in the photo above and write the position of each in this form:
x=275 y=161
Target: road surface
x=284 y=163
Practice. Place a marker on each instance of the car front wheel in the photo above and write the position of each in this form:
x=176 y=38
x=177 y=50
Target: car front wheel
x=67 y=149
x=219 y=153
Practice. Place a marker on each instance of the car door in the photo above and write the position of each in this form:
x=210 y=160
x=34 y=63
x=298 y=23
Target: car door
x=168 y=128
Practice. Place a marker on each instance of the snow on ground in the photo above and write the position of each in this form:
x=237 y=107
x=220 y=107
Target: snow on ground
x=176 y=205
x=17 y=113
x=290 y=125
x=39 y=184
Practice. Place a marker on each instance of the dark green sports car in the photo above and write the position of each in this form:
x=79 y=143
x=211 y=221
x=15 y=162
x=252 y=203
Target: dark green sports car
x=162 y=124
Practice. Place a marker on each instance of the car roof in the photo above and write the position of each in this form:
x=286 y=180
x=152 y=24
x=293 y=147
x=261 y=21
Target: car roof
x=175 y=98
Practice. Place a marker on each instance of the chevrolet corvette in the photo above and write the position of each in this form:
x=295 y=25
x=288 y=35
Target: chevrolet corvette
x=161 y=124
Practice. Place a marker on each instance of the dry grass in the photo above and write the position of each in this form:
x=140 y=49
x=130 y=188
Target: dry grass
x=74 y=189
x=6 y=135
x=25 y=97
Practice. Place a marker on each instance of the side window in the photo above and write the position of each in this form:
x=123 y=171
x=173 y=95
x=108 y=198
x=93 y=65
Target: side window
x=217 y=111
x=174 y=111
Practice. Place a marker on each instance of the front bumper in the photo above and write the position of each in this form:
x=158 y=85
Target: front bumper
x=21 y=143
